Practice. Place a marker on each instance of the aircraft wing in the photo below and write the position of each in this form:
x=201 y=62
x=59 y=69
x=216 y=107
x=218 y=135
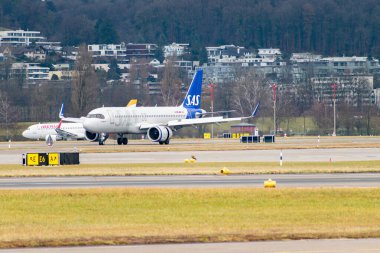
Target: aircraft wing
x=65 y=134
x=200 y=121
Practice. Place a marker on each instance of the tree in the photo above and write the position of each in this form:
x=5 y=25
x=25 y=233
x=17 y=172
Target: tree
x=54 y=77
x=250 y=88
x=85 y=86
x=105 y=32
x=170 y=83
x=7 y=112
x=114 y=72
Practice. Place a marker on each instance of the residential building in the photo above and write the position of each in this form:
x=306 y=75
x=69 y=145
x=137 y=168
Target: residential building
x=140 y=50
x=176 y=49
x=352 y=89
x=271 y=53
x=225 y=53
x=19 y=37
x=29 y=71
x=37 y=53
x=307 y=65
x=108 y=50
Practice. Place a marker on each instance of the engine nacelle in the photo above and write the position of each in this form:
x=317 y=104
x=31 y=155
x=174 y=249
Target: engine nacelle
x=91 y=136
x=159 y=133
x=53 y=137
x=200 y=114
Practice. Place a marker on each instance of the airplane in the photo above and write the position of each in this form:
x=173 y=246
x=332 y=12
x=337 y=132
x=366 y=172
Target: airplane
x=56 y=131
x=52 y=132
x=157 y=122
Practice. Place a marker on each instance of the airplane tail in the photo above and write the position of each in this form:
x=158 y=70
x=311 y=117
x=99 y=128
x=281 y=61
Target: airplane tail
x=61 y=112
x=193 y=97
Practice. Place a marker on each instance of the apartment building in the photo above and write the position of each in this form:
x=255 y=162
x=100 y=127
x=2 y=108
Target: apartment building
x=29 y=71
x=141 y=50
x=176 y=49
x=108 y=50
x=19 y=37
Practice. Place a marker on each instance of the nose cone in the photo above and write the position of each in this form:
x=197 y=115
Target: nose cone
x=26 y=134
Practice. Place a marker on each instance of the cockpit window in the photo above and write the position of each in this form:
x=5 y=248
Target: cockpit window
x=98 y=116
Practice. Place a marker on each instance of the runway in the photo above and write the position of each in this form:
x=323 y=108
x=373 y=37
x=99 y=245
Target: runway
x=186 y=181
x=298 y=246
x=298 y=155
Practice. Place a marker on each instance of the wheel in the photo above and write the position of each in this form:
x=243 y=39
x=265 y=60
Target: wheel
x=125 y=141
x=161 y=142
x=167 y=142
x=119 y=141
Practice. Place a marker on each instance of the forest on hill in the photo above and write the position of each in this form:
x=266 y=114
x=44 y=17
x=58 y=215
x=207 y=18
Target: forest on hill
x=328 y=27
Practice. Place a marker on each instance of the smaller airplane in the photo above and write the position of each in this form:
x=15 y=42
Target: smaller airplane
x=52 y=132
x=55 y=131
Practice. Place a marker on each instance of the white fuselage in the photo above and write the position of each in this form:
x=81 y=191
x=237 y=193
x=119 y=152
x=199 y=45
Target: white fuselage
x=129 y=120
x=42 y=130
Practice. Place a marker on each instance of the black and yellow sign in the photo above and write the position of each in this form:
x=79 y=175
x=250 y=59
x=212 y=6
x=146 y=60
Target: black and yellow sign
x=32 y=159
x=53 y=159
x=43 y=159
x=37 y=159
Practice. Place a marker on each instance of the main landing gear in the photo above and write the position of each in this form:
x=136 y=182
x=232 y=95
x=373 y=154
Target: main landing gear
x=164 y=142
x=121 y=140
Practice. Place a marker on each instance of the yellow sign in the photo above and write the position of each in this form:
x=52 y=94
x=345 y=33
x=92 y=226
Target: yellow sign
x=206 y=136
x=32 y=159
x=53 y=159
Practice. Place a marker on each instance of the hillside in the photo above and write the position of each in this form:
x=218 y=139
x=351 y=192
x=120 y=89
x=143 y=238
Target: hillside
x=329 y=27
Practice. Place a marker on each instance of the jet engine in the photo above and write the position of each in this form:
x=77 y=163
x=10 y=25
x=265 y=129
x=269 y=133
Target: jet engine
x=200 y=113
x=102 y=137
x=160 y=134
x=91 y=136
x=53 y=137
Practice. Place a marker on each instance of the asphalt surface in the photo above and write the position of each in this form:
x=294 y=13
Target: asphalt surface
x=300 y=155
x=299 y=246
x=191 y=181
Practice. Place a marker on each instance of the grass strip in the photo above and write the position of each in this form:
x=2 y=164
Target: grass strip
x=34 y=218
x=190 y=168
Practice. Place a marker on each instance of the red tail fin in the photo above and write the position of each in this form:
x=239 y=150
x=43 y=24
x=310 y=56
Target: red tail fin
x=59 y=125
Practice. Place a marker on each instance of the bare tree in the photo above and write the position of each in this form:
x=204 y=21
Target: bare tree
x=250 y=88
x=7 y=112
x=85 y=87
x=138 y=86
x=171 y=83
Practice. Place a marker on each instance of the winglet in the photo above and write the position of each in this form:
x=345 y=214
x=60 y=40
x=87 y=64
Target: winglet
x=61 y=112
x=256 y=110
x=132 y=103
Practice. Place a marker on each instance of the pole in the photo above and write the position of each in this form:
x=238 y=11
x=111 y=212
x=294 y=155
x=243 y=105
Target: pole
x=212 y=86
x=334 y=133
x=334 y=105
x=274 y=88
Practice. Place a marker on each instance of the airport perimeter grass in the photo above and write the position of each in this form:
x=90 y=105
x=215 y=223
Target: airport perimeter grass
x=142 y=215
x=190 y=168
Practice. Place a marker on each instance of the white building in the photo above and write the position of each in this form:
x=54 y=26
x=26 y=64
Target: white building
x=19 y=37
x=272 y=53
x=225 y=53
x=108 y=50
x=175 y=49
x=29 y=71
